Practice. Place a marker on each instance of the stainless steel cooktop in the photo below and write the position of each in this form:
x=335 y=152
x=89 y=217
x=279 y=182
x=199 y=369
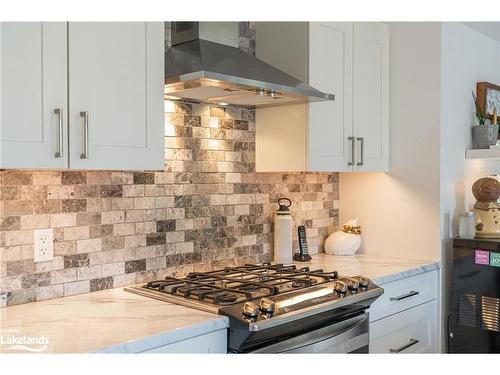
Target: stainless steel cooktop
x=287 y=284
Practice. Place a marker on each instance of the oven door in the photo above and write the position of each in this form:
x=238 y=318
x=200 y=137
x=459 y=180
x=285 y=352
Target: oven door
x=348 y=336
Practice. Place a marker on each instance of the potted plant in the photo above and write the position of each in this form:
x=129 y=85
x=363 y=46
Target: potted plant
x=483 y=135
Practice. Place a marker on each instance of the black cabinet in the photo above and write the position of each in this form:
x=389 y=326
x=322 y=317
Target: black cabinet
x=474 y=322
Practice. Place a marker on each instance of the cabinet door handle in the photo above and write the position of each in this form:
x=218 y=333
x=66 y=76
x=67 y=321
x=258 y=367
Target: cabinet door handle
x=59 y=113
x=405 y=346
x=85 y=138
x=362 y=144
x=353 y=151
x=411 y=293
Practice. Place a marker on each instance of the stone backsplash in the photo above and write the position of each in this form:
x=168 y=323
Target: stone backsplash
x=207 y=209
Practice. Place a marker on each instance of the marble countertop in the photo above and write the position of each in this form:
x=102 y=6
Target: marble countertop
x=106 y=321
x=380 y=269
x=120 y=322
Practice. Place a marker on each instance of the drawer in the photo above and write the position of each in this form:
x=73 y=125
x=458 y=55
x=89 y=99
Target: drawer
x=404 y=294
x=410 y=331
x=214 y=342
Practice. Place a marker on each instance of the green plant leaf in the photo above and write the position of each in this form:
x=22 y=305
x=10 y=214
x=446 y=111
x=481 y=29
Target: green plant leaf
x=481 y=117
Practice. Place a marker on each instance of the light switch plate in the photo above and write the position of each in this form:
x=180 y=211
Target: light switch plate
x=44 y=245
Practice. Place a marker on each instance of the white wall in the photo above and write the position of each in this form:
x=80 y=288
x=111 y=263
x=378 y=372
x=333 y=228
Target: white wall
x=399 y=211
x=490 y=29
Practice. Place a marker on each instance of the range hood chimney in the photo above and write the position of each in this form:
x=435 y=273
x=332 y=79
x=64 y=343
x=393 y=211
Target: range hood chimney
x=204 y=64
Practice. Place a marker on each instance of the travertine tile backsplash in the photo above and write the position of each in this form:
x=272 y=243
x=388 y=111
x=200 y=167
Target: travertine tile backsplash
x=207 y=209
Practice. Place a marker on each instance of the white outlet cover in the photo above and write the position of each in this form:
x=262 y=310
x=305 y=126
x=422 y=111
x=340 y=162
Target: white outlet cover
x=44 y=245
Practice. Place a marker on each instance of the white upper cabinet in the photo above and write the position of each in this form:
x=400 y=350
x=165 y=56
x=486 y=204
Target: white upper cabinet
x=330 y=70
x=33 y=106
x=106 y=79
x=116 y=95
x=349 y=134
x=370 y=114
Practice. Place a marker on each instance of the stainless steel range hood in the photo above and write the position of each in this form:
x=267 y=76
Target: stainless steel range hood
x=204 y=65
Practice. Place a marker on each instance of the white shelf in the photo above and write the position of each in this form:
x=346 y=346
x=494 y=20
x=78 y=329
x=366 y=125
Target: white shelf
x=492 y=153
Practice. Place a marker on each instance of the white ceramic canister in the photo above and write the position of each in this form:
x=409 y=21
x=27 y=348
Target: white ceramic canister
x=467 y=225
x=283 y=225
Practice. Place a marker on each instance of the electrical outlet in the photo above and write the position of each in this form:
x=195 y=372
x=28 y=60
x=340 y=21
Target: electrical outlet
x=44 y=245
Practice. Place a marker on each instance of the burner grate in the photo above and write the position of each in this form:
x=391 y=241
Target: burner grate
x=243 y=283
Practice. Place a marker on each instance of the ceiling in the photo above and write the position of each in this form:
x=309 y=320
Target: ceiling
x=490 y=29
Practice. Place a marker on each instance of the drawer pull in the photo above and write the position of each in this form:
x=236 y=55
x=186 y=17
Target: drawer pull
x=405 y=346
x=407 y=295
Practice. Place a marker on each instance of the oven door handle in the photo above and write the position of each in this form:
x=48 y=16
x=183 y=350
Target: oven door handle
x=342 y=337
x=307 y=312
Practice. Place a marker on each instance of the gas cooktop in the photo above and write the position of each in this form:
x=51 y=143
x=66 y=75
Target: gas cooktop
x=234 y=285
x=267 y=302
x=211 y=291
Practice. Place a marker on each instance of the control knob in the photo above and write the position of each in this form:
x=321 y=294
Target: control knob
x=267 y=305
x=250 y=309
x=340 y=287
x=363 y=281
x=352 y=283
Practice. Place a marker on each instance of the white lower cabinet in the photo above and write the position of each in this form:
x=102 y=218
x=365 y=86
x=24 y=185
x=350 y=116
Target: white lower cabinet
x=410 y=331
x=214 y=342
x=405 y=318
x=404 y=294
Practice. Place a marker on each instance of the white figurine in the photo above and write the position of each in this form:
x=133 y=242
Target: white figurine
x=346 y=241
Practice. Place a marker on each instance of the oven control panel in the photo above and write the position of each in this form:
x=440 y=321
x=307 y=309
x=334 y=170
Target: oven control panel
x=345 y=290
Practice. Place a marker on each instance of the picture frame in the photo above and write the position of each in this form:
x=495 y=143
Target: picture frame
x=488 y=97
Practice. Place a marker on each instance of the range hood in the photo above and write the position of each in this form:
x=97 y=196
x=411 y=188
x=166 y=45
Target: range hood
x=204 y=64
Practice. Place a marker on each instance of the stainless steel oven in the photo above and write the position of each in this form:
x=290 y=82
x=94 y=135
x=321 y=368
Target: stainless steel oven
x=347 y=336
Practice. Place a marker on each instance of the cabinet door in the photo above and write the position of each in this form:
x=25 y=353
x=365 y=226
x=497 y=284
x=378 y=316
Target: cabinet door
x=330 y=70
x=33 y=105
x=403 y=294
x=410 y=331
x=371 y=96
x=116 y=78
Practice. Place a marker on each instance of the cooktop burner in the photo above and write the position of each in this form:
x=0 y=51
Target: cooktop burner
x=234 y=285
